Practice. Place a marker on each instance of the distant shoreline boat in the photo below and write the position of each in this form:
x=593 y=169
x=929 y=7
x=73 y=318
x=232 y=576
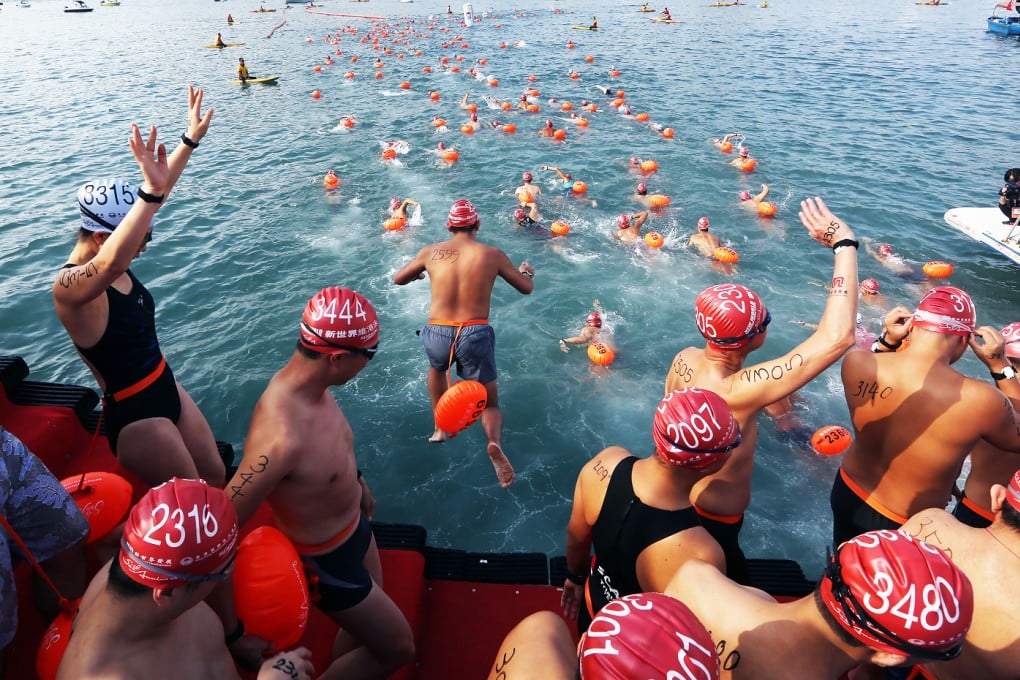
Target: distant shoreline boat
x=1004 y=25
x=77 y=6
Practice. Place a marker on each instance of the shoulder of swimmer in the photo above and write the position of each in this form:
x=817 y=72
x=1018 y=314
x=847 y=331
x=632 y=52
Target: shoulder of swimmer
x=599 y=469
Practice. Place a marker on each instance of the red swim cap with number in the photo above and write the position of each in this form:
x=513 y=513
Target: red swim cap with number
x=1013 y=491
x=885 y=249
x=339 y=318
x=526 y=176
x=729 y=315
x=694 y=429
x=642 y=188
x=703 y=224
x=1011 y=334
x=947 y=310
x=623 y=221
x=179 y=532
x=593 y=320
x=647 y=635
x=870 y=286
x=744 y=151
x=744 y=195
x=898 y=594
x=462 y=215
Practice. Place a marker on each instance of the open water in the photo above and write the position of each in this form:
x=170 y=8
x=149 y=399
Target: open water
x=892 y=112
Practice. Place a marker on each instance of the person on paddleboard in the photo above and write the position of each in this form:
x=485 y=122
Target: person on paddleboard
x=242 y=70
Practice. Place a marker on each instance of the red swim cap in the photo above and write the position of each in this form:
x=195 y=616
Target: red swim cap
x=339 y=318
x=474 y=116
x=729 y=315
x=897 y=594
x=519 y=214
x=394 y=203
x=1013 y=491
x=182 y=531
x=703 y=224
x=548 y=122
x=462 y=215
x=647 y=635
x=441 y=145
x=947 y=310
x=744 y=151
x=526 y=176
x=694 y=429
x=642 y=188
x=744 y=195
x=869 y=286
x=885 y=249
x=593 y=320
x=1011 y=334
x=623 y=221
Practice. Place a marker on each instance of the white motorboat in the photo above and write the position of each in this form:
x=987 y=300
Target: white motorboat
x=77 y=6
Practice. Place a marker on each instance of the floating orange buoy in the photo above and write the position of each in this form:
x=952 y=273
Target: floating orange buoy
x=532 y=78
x=937 y=269
x=649 y=165
x=54 y=643
x=506 y=106
x=493 y=82
x=766 y=209
x=270 y=590
x=394 y=223
x=347 y=122
x=560 y=135
x=582 y=122
x=467 y=129
x=614 y=73
x=450 y=155
x=668 y=133
x=618 y=102
x=578 y=187
x=654 y=239
x=601 y=354
x=566 y=106
x=354 y=59
x=455 y=69
x=378 y=75
x=589 y=58
x=532 y=108
x=317 y=68
x=509 y=127
x=389 y=154
x=658 y=200
x=831 y=440
x=331 y=181
x=726 y=255
x=104 y=498
x=621 y=94
x=460 y=406
x=434 y=96
x=559 y=228
x=748 y=164
x=405 y=85
x=438 y=122
x=575 y=75
x=316 y=94
x=641 y=117
x=349 y=75
x=472 y=108
x=426 y=69
x=726 y=147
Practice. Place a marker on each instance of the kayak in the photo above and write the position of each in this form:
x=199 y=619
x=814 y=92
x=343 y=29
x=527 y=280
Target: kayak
x=261 y=11
x=585 y=28
x=220 y=47
x=264 y=81
x=665 y=21
x=646 y=10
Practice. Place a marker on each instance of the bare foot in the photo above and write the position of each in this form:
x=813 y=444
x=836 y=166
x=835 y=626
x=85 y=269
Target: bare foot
x=504 y=471
x=438 y=437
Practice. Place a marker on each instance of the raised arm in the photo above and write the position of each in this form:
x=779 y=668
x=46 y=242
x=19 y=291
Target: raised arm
x=198 y=125
x=762 y=194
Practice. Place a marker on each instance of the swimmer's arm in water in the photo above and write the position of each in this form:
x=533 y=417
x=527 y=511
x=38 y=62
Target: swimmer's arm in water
x=198 y=125
x=77 y=286
x=762 y=194
x=522 y=278
x=413 y=270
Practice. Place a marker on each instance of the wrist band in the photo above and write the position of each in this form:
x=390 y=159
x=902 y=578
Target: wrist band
x=529 y=275
x=187 y=141
x=360 y=475
x=149 y=198
x=839 y=245
x=577 y=579
x=236 y=635
x=1008 y=373
x=881 y=341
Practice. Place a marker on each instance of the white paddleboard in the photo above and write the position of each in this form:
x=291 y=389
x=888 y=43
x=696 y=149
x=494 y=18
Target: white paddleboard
x=986 y=225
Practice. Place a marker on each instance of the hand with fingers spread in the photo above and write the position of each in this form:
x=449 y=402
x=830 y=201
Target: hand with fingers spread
x=198 y=124
x=151 y=160
x=822 y=225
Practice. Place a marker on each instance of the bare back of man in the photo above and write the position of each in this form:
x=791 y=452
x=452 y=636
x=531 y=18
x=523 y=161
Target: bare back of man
x=705 y=242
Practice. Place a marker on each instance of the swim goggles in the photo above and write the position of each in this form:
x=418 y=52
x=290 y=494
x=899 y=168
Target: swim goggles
x=367 y=352
x=740 y=338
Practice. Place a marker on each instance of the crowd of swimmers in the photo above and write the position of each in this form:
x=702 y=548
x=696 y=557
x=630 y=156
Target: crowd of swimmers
x=657 y=580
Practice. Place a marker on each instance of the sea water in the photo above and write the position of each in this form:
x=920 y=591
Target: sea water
x=890 y=111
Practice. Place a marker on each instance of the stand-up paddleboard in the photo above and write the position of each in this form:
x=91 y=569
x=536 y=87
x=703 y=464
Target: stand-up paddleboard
x=261 y=11
x=220 y=47
x=665 y=21
x=264 y=81
x=987 y=226
x=585 y=28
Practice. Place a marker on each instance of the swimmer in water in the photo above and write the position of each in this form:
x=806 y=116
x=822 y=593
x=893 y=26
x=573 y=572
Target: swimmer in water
x=591 y=331
x=869 y=295
x=742 y=156
x=548 y=130
x=729 y=137
x=473 y=123
x=629 y=226
x=750 y=202
x=641 y=194
x=594 y=24
x=883 y=253
x=398 y=208
x=527 y=196
x=703 y=240
x=568 y=183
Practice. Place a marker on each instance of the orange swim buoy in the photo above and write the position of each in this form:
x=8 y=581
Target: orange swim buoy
x=653 y=239
x=330 y=180
x=349 y=75
x=270 y=590
x=467 y=129
x=317 y=68
x=316 y=94
x=560 y=135
x=649 y=165
x=748 y=164
x=726 y=255
x=460 y=406
x=54 y=643
x=614 y=73
x=103 y=497
x=559 y=228
x=509 y=127
x=493 y=82
x=395 y=223
x=641 y=117
x=668 y=133
x=347 y=122
x=726 y=147
x=578 y=187
x=658 y=200
x=438 y=122
x=426 y=69
x=566 y=106
x=601 y=354
x=450 y=155
x=574 y=75
x=406 y=85
x=389 y=154
x=937 y=269
x=582 y=122
x=434 y=96
x=766 y=209
x=589 y=58
x=531 y=108
x=831 y=440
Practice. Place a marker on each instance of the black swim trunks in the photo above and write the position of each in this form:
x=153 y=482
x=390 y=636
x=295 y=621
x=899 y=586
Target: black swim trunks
x=343 y=580
x=851 y=514
x=972 y=514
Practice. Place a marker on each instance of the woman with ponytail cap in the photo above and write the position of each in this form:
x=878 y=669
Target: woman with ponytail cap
x=915 y=417
x=734 y=322
x=636 y=512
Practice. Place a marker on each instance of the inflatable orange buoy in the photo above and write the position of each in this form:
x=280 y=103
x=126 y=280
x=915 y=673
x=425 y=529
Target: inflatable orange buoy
x=506 y=106
x=532 y=108
x=434 y=96
x=349 y=75
x=658 y=200
x=936 y=269
x=641 y=117
x=509 y=127
x=589 y=58
x=426 y=69
x=748 y=164
x=766 y=209
x=668 y=133
x=582 y=122
x=467 y=129
x=347 y=122
x=560 y=135
x=331 y=181
x=270 y=590
x=378 y=75
x=394 y=223
x=460 y=406
x=450 y=155
x=438 y=122
x=649 y=166
x=831 y=440
x=472 y=108
x=614 y=73
x=654 y=239
x=317 y=68
x=726 y=147
x=601 y=354
x=579 y=187
x=104 y=498
x=54 y=643
x=389 y=154
x=316 y=94
x=493 y=82
x=566 y=106
x=726 y=255
x=405 y=85
x=559 y=228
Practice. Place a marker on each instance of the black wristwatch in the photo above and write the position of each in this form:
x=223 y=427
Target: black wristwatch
x=577 y=579
x=1008 y=373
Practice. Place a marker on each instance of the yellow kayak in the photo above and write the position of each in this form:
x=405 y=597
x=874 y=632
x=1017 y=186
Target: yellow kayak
x=264 y=81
